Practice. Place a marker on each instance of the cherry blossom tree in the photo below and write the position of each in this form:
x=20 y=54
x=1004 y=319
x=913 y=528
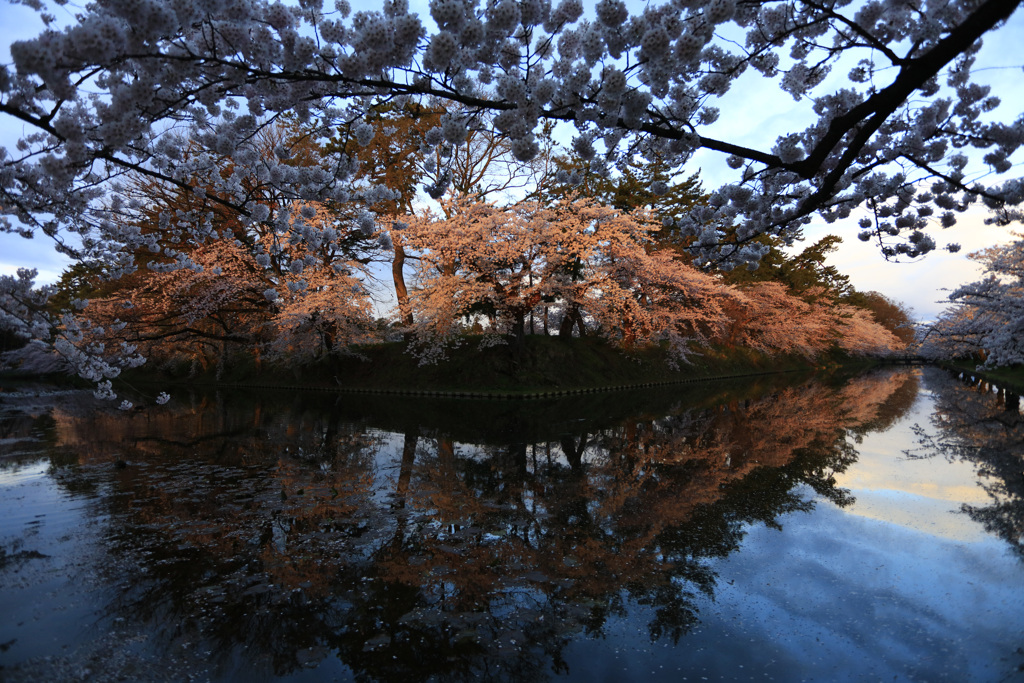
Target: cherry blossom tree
x=646 y=81
x=987 y=316
x=889 y=313
x=590 y=260
x=954 y=334
x=386 y=142
x=480 y=259
x=586 y=260
x=234 y=302
x=192 y=317
x=324 y=302
x=390 y=145
x=765 y=316
x=483 y=244
x=128 y=86
x=637 y=183
x=638 y=294
x=768 y=317
x=859 y=334
x=238 y=284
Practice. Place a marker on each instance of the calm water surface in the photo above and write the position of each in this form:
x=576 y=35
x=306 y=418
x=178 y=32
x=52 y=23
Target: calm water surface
x=774 y=529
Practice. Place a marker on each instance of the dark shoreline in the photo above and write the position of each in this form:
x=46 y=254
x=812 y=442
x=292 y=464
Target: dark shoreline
x=547 y=367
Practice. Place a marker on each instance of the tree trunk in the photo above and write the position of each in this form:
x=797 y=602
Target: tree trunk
x=446 y=466
x=628 y=335
x=572 y=319
x=330 y=336
x=574 y=452
x=405 y=473
x=532 y=330
x=1012 y=402
x=519 y=341
x=398 y=275
x=565 y=327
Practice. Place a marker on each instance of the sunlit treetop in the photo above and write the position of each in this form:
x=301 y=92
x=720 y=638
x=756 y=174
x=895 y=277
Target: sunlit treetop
x=167 y=90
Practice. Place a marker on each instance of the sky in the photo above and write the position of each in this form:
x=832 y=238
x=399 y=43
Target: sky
x=754 y=112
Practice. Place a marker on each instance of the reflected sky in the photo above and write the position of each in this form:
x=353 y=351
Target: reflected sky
x=917 y=494
x=762 y=529
x=898 y=585
x=837 y=596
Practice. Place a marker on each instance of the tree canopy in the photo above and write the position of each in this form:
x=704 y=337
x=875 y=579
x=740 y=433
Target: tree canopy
x=127 y=84
x=985 y=320
x=165 y=92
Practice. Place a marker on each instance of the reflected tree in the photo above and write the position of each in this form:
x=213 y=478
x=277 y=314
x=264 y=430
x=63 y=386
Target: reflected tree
x=979 y=423
x=301 y=532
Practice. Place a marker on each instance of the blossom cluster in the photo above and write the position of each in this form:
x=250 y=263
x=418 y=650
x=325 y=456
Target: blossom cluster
x=580 y=263
x=182 y=94
x=986 y=318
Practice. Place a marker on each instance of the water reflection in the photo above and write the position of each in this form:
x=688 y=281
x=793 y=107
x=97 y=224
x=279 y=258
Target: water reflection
x=441 y=540
x=979 y=423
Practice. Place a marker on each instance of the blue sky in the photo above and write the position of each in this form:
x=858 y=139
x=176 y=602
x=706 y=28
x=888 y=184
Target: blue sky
x=755 y=113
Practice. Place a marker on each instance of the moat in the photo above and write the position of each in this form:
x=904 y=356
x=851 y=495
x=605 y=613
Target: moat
x=785 y=528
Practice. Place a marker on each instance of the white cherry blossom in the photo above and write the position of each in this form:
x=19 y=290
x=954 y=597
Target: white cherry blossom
x=168 y=90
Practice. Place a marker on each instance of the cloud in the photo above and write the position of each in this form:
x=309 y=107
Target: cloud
x=920 y=284
x=17 y=252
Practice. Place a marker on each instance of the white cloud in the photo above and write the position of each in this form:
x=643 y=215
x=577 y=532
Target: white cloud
x=17 y=252
x=918 y=284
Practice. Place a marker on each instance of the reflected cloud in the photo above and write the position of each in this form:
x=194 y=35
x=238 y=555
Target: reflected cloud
x=410 y=545
x=979 y=425
x=892 y=483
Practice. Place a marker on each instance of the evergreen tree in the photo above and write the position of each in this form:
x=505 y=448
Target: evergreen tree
x=805 y=273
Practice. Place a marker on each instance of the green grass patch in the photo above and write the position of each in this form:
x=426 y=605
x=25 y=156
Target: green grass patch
x=1010 y=377
x=545 y=364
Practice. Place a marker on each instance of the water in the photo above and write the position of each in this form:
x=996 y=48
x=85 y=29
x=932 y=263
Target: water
x=786 y=529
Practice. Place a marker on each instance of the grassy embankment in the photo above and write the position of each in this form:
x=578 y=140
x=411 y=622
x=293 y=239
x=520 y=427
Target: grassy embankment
x=546 y=365
x=1005 y=377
